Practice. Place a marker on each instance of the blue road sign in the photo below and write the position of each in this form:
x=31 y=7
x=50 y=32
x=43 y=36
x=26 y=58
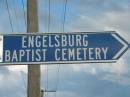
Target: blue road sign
x=55 y=48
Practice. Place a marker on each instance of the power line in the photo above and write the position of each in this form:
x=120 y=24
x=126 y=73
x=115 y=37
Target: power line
x=7 y=7
x=58 y=74
x=49 y=7
x=23 y=80
x=24 y=83
x=49 y=12
x=64 y=18
x=24 y=12
x=1 y=4
x=15 y=13
x=47 y=80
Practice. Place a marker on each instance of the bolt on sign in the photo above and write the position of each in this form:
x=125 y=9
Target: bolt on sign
x=55 y=48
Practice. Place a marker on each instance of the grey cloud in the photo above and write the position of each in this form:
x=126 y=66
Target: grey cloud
x=11 y=84
x=102 y=5
x=83 y=84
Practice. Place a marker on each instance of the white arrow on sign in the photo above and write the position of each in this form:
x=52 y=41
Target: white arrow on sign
x=125 y=46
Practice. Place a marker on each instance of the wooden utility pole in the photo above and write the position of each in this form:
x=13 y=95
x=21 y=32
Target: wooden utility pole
x=33 y=70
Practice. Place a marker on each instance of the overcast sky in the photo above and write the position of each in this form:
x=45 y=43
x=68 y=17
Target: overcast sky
x=77 y=80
